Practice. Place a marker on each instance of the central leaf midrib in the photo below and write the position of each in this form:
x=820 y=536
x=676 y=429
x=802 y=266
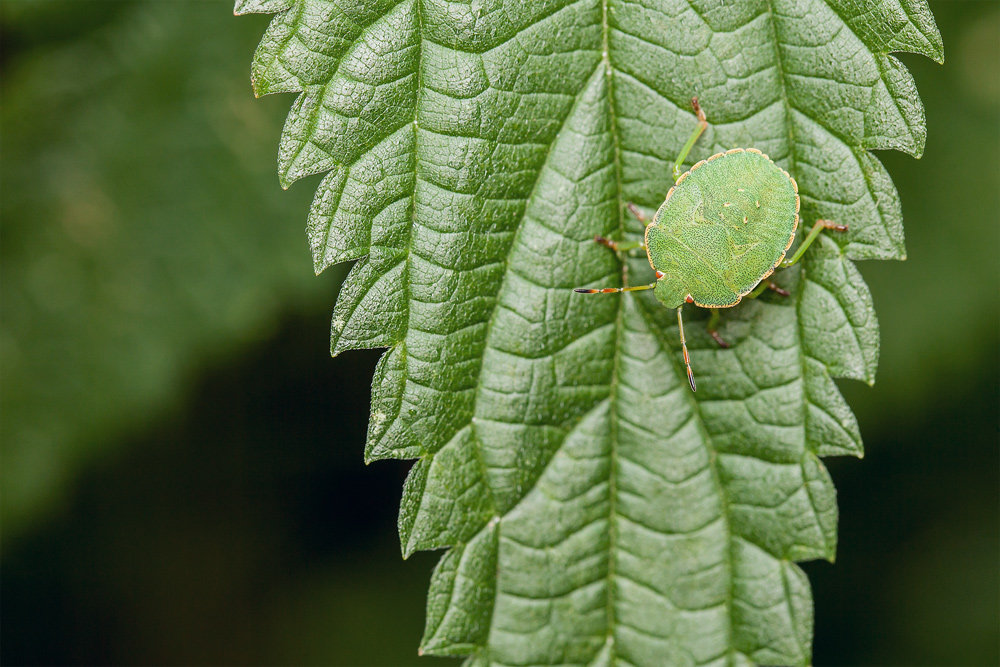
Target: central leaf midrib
x=619 y=329
x=681 y=375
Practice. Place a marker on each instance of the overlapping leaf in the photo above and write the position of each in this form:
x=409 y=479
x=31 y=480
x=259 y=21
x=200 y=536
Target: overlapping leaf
x=596 y=511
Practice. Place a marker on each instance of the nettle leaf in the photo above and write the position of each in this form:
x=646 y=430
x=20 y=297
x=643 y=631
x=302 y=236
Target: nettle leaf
x=595 y=510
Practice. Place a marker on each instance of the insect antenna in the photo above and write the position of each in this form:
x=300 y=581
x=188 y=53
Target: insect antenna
x=684 y=348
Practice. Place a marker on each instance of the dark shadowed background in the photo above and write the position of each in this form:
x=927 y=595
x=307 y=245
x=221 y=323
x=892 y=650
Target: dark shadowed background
x=181 y=459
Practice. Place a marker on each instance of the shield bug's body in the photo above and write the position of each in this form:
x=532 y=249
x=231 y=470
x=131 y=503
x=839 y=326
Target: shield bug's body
x=721 y=231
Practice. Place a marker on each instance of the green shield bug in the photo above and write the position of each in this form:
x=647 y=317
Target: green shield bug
x=721 y=231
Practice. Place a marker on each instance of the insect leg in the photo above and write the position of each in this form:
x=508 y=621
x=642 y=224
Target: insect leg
x=684 y=348
x=612 y=290
x=634 y=210
x=702 y=124
x=619 y=246
x=713 y=329
x=813 y=233
x=764 y=285
x=774 y=287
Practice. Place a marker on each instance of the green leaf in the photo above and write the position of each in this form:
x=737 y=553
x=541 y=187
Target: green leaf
x=597 y=511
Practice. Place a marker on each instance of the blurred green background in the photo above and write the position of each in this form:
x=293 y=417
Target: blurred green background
x=182 y=473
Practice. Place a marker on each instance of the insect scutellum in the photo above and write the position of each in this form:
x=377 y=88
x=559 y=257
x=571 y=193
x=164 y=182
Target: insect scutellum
x=722 y=230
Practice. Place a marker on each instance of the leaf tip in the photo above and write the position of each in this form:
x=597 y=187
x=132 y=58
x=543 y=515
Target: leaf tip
x=938 y=55
x=408 y=544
